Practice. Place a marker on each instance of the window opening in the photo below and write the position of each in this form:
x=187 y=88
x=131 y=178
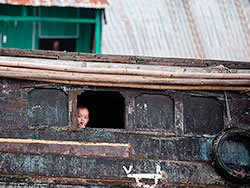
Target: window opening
x=58 y=44
x=106 y=109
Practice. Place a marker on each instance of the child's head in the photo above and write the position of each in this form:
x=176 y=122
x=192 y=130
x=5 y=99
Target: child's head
x=83 y=116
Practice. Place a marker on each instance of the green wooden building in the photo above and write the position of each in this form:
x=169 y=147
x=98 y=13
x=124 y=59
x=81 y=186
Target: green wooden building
x=71 y=25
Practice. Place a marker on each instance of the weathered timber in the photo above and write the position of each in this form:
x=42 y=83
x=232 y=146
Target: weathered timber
x=75 y=56
x=172 y=113
x=145 y=86
x=104 y=168
x=22 y=74
x=64 y=148
x=141 y=76
x=126 y=71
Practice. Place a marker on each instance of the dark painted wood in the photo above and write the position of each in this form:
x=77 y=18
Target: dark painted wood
x=175 y=131
x=203 y=115
x=63 y=148
x=47 y=107
x=240 y=109
x=154 y=112
x=105 y=168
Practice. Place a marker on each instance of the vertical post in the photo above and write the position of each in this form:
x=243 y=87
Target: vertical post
x=178 y=115
x=24 y=11
x=35 y=37
x=72 y=108
x=98 y=31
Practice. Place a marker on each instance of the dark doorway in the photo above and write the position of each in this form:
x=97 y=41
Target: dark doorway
x=106 y=109
x=58 y=44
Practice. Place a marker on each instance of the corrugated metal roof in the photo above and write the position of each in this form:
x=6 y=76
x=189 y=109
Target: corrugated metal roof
x=215 y=29
x=98 y=4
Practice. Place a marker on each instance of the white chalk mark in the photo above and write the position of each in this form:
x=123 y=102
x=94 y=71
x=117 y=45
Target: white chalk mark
x=158 y=169
x=128 y=170
x=137 y=177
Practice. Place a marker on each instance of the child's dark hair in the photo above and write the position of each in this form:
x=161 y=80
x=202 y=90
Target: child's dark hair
x=82 y=107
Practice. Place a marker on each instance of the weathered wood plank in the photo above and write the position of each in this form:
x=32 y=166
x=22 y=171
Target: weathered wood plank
x=71 y=148
x=75 y=56
x=123 y=69
x=106 y=168
x=23 y=73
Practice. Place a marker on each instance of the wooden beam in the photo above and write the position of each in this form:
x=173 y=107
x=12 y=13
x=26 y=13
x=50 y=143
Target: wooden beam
x=23 y=73
x=147 y=86
x=139 y=60
x=72 y=148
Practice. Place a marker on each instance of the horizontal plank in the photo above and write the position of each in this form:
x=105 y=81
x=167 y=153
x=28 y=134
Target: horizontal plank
x=50 y=166
x=23 y=73
x=75 y=56
x=72 y=148
x=145 y=86
x=124 y=69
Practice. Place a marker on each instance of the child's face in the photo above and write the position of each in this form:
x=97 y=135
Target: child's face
x=83 y=117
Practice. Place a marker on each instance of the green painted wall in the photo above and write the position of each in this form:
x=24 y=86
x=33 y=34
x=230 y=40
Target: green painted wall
x=17 y=34
x=58 y=29
x=26 y=34
x=85 y=40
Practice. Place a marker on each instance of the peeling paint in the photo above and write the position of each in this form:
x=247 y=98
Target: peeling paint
x=68 y=3
x=205 y=149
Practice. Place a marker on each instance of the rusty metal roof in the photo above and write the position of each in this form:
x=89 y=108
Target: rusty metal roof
x=178 y=28
x=97 y=4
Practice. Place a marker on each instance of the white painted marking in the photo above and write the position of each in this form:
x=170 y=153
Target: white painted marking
x=137 y=177
x=5 y=39
x=128 y=170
